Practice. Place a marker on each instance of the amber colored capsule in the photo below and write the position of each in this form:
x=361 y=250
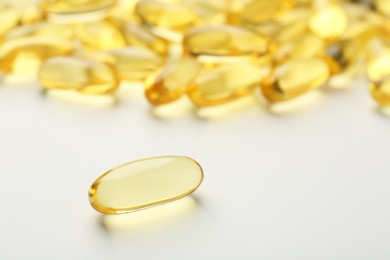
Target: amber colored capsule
x=329 y=21
x=27 y=53
x=258 y=11
x=131 y=63
x=137 y=36
x=380 y=91
x=145 y=183
x=378 y=59
x=100 y=35
x=72 y=11
x=41 y=29
x=166 y=19
x=225 y=83
x=172 y=82
x=294 y=78
x=224 y=40
x=343 y=54
x=383 y=6
x=77 y=74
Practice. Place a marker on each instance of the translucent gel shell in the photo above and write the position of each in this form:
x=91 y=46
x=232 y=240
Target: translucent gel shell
x=76 y=74
x=145 y=183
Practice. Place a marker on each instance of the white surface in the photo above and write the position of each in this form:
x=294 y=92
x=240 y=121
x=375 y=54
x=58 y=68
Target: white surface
x=311 y=185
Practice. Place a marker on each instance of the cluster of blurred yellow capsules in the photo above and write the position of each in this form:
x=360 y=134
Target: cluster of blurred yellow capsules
x=213 y=51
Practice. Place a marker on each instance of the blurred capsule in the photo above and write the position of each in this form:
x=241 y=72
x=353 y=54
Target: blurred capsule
x=41 y=29
x=295 y=78
x=136 y=35
x=224 y=40
x=258 y=11
x=172 y=82
x=165 y=18
x=210 y=12
x=76 y=74
x=73 y=11
x=123 y=10
x=25 y=55
x=329 y=21
x=378 y=58
x=131 y=63
x=343 y=54
x=380 y=91
x=383 y=6
x=18 y=13
x=225 y=83
x=100 y=35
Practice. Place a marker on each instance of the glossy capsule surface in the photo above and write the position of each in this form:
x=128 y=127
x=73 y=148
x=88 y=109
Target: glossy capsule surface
x=41 y=29
x=100 y=35
x=131 y=63
x=224 y=40
x=76 y=74
x=26 y=54
x=172 y=82
x=257 y=11
x=225 y=83
x=294 y=78
x=72 y=11
x=145 y=183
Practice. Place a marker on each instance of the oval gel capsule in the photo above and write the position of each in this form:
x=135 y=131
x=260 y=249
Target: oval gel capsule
x=77 y=74
x=131 y=63
x=294 y=78
x=172 y=82
x=224 y=40
x=145 y=183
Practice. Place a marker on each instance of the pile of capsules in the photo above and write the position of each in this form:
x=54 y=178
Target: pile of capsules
x=212 y=51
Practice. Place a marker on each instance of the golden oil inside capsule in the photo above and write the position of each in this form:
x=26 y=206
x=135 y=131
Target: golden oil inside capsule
x=225 y=83
x=76 y=74
x=258 y=11
x=343 y=54
x=383 y=6
x=145 y=183
x=210 y=12
x=41 y=29
x=172 y=82
x=167 y=19
x=25 y=55
x=378 y=59
x=294 y=78
x=329 y=20
x=72 y=11
x=380 y=91
x=100 y=35
x=224 y=40
x=137 y=36
x=131 y=63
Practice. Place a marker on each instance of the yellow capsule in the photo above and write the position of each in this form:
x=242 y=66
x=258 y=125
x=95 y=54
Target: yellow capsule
x=383 y=6
x=258 y=11
x=145 y=183
x=100 y=35
x=131 y=63
x=224 y=40
x=343 y=54
x=72 y=11
x=25 y=55
x=18 y=13
x=210 y=12
x=41 y=29
x=137 y=36
x=225 y=83
x=165 y=18
x=76 y=74
x=380 y=91
x=329 y=21
x=172 y=82
x=378 y=59
x=294 y=78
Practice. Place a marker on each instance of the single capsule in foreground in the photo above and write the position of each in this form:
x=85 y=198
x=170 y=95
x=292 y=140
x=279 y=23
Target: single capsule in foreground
x=294 y=78
x=26 y=54
x=100 y=35
x=380 y=91
x=145 y=183
x=77 y=74
x=225 y=83
x=131 y=63
x=73 y=11
x=224 y=40
x=172 y=82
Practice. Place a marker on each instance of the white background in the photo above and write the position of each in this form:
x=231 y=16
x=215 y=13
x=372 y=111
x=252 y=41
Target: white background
x=313 y=184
